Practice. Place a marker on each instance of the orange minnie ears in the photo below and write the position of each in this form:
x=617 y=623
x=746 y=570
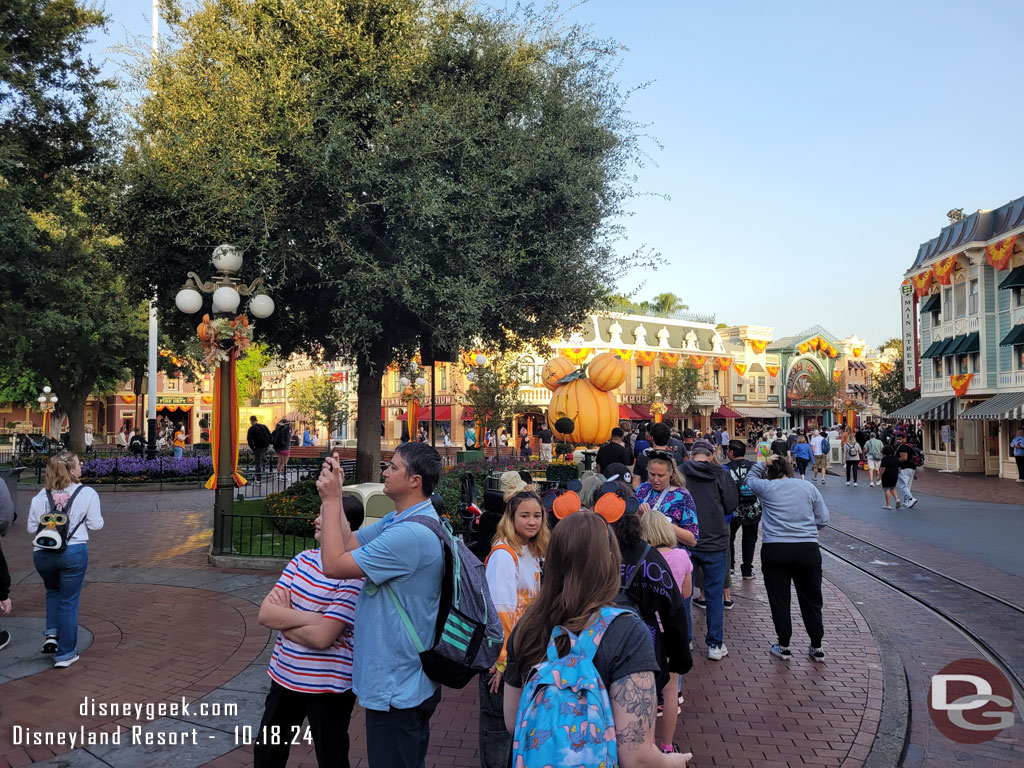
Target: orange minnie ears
x=610 y=506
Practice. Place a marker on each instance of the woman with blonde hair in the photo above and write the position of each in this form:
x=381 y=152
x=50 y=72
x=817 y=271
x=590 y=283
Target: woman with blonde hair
x=513 y=578
x=581 y=581
x=66 y=506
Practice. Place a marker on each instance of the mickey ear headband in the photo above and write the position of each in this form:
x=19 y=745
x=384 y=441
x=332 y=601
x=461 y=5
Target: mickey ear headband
x=610 y=507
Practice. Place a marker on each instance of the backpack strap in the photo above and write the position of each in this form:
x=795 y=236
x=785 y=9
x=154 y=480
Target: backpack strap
x=507 y=548
x=587 y=643
x=636 y=568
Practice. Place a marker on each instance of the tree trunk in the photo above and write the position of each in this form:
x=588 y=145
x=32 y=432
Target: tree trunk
x=76 y=421
x=368 y=388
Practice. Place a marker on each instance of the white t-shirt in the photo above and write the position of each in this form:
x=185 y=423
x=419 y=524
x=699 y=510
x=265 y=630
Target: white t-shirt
x=86 y=505
x=512 y=588
x=816 y=442
x=724 y=438
x=833 y=437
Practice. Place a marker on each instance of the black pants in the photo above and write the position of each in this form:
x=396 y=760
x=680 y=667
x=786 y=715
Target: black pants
x=328 y=715
x=798 y=563
x=1020 y=466
x=852 y=466
x=258 y=455
x=747 y=545
x=801 y=466
x=495 y=740
x=399 y=738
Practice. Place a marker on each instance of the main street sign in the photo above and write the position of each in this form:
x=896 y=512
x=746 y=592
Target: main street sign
x=909 y=320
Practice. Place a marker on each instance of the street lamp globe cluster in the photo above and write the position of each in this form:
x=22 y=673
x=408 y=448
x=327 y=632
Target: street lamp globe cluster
x=226 y=291
x=47 y=403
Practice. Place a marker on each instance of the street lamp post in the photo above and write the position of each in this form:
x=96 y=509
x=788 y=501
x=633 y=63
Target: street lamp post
x=47 y=403
x=226 y=290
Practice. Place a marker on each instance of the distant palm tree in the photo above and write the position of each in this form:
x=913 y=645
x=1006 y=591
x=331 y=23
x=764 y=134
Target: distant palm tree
x=668 y=303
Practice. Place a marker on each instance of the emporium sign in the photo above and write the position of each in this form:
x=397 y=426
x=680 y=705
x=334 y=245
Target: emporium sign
x=908 y=308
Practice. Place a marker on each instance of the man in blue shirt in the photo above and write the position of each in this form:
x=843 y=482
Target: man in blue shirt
x=388 y=677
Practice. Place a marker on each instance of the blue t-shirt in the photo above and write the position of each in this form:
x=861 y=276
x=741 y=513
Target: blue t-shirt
x=1018 y=446
x=406 y=556
x=803 y=451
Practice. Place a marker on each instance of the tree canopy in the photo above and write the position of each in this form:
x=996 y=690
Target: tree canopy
x=400 y=172
x=318 y=398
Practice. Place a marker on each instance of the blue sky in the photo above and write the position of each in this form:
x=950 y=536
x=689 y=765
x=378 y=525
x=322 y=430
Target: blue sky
x=808 y=147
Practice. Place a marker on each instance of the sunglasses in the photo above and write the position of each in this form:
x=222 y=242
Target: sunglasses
x=54 y=519
x=653 y=453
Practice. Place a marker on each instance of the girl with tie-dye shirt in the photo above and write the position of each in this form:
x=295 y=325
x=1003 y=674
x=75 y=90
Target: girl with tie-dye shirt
x=513 y=578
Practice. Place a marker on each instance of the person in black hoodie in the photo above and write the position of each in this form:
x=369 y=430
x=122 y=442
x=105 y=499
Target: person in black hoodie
x=7 y=516
x=716 y=496
x=654 y=592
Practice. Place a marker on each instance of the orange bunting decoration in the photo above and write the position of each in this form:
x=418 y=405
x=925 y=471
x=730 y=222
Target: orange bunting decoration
x=625 y=354
x=206 y=398
x=943 y=270
x=998 y=255
x=741 y=368
x=836 y=375
x=857 y=351
x=960 y=382
x=922 y=283
x=817 y=343
x=671 y=359
x=724 y=363
x=576 y=355
x=804 y=348
x=773 y=370
x=698 y=361
x=832 y=352
x=646 y=359
x=128 y=398
x=758 y=346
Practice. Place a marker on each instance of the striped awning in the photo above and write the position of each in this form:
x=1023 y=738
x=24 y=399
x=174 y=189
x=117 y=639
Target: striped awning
x=1008 y=405
x=931 y=408
x=759 y=413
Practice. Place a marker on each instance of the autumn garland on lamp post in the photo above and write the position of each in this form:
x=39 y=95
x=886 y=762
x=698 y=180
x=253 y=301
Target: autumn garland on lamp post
x=223 y=339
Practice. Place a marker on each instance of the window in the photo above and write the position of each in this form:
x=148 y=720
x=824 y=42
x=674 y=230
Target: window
x=173 y=385
x=760 y=385
x=950 y=360
x=716 y=379
x=442 y=377
x=1018 y=297
x=750 y=385
x=1018 y=355
x=937 y=368
x=639 y=377
x=960 y=299
x=739 y=386
x=771 y=388
x=962 y=363
x=947 y=304
x=972 y=297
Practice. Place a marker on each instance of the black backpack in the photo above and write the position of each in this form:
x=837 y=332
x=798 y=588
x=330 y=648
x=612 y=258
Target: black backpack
x=622 y=600
x=52 y=533
x=749 y=509
x=279 y=438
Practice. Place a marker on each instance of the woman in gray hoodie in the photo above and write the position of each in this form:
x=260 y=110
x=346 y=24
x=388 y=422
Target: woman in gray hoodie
x=792 y=511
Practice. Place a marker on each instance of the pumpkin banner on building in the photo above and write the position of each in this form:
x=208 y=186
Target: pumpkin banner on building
x=960 y=382
x=646 y=359
x=998 y=255
x=757 y=346
x=741 y=368
x=698 y=361
x=576 y=354
x=943 y=269
x=922 y=283
x=773 y=370
x=670 y=359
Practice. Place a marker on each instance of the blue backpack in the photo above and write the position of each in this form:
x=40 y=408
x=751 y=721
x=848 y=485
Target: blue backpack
x=565 y=716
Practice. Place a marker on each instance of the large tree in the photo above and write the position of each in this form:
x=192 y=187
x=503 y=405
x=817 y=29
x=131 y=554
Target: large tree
x=69 y=317
x=318 y=398
x=400 y=172
x=887 y=388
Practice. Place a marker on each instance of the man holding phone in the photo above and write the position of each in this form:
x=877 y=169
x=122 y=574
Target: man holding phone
x=405 y=556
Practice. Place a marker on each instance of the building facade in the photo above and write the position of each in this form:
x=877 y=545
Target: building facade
x=964 y=294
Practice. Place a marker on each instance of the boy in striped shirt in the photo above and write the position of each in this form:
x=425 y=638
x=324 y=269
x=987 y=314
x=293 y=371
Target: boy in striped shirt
x=311 y=667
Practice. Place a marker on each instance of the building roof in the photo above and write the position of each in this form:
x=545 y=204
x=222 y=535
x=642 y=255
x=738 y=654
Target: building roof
x=788 y=342
x=979 y=227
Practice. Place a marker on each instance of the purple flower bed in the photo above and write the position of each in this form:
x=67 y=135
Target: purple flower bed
x=135 y=469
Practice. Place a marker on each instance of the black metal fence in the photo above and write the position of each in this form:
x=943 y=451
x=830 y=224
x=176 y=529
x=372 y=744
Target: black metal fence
x=260 y=536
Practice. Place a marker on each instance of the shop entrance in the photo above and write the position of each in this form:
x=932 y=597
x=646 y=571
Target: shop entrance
x=991 y=447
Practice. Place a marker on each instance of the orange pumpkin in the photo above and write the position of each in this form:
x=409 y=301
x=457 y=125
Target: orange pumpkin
x=593 y=411
x=555 y=369
x=204 y=331
x=607 y=371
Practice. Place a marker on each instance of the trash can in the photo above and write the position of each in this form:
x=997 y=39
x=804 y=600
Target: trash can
x=10 y=476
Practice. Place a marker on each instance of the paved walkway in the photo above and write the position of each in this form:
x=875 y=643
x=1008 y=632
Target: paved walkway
x=166 y=626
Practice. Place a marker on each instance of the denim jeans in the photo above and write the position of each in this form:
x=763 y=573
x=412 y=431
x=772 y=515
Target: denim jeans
x=903 y=485
x=495 y=740
x=178 y=451
x=63 y=574
x=259 y=454
x=715 y=565
x=399 y=738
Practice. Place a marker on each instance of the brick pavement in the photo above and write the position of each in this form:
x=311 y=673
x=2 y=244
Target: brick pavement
x=969 y=487
x=167 y=625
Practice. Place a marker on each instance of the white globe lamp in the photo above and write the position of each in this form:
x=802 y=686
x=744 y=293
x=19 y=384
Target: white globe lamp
x=420 y=382
x=47 y=390
x=227 y=258
x=404 y=381
x=189 y=301
x=481 y=360
x=261 y=306
x=226 y=299
x=42 y=399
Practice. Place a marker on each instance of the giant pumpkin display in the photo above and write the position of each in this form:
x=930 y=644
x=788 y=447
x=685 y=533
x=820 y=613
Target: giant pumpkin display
x=607 y=371
x=555 y=369
x=593 y=411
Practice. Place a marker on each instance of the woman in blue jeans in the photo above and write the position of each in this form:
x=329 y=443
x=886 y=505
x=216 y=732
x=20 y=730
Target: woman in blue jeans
x=63 y=571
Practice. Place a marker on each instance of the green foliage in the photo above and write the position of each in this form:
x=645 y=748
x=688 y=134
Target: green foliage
x=821 y=390
x=494 y=396
x=678 y=386
x=395 y=169
x=887 y=389
x=247 y=373
x=296 y=507
x=19 y=386
x=318 y=398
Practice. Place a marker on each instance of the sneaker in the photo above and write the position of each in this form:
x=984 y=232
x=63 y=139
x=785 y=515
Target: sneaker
x=65 y=662
x=817 y=654
x=782 y=651
x=748 y=575
x=5 y=638
x=898 y=505
x=717 y=652
x=854 y=485
x=691 y=645
x=847 y=482
x=700 y=602
x=911 y=503
x=872 y=485
x=886 y=507
x=728 y=604
x=50 y=645
x=668 y=749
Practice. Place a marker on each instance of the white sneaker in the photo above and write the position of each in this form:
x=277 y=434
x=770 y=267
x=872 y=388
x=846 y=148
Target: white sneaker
x=872 y=485
x=65 y=662
x=717 y=652
x=854 y=485
x=847 y=482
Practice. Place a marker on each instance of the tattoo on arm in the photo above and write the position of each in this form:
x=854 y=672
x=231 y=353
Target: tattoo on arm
x=636 y=697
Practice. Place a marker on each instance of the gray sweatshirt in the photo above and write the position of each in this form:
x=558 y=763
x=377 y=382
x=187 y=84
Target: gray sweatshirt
x=792 y=509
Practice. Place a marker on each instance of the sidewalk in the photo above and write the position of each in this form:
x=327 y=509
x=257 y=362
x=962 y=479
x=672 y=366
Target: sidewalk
x=969 y=487
x=166 y=625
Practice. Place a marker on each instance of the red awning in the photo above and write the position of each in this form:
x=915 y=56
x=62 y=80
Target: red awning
x=467 y=413
x=725 y=412
x=625 y=412
x=443 y=413
x=383 y=416
x=641 y=411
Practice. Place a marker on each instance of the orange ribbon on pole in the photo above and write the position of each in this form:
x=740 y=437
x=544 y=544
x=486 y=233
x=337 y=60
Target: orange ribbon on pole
x=218 y=382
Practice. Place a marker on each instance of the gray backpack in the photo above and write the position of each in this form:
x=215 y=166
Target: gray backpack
x=468 y=634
